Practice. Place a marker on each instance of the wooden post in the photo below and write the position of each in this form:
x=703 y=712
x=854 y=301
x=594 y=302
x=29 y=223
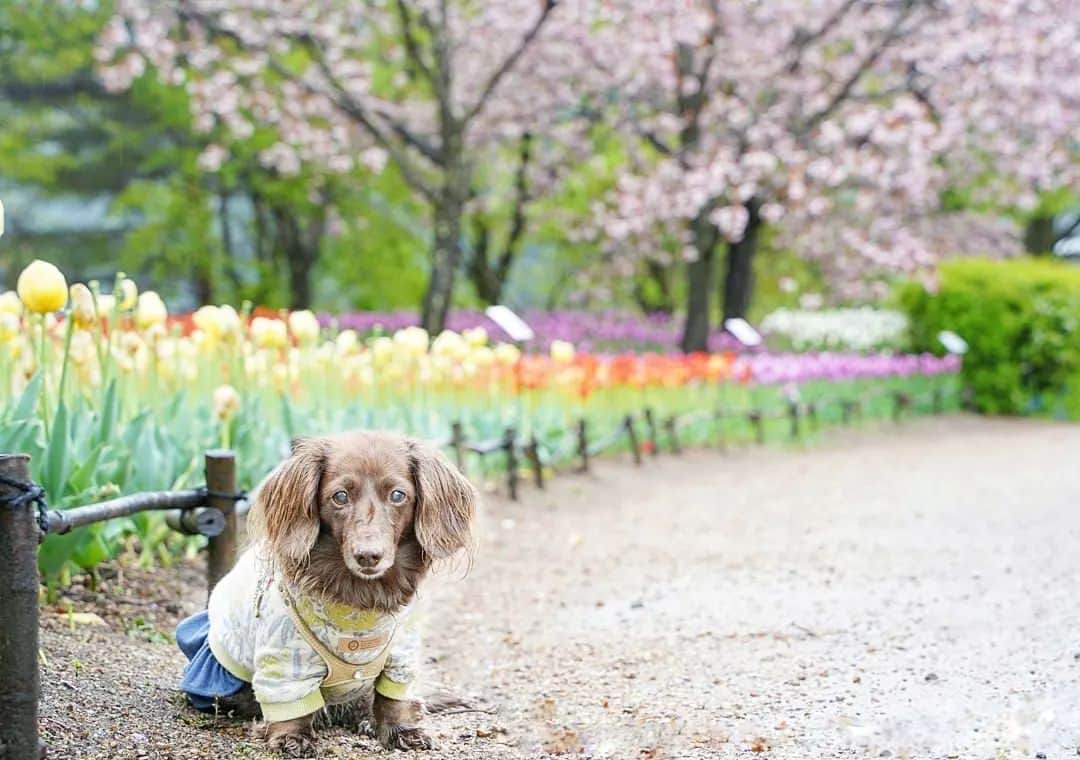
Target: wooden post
x=650 y=425
x=758 y=422
x=900 y=400
x=631 y=434
x=721 y=442
x=671 y=425
x=457 y=440
x=19 y=679
x=793 y=413
x=532 y=453
x=221 y=484
x=509 y=443
x=583 y=444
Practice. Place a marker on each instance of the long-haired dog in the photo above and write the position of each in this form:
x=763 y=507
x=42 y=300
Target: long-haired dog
x=312 y=625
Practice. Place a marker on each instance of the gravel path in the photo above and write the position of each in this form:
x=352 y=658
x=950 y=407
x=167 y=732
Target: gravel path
x=903 y=593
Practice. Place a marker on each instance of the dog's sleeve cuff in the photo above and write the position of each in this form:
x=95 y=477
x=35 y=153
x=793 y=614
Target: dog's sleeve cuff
x=276 y=712
x=391 y=689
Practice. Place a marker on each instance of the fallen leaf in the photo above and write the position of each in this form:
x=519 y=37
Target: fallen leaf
x=85 y=618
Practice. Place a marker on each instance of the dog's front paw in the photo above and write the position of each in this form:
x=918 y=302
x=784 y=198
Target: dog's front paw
x=294 y=745
x=404 y=737
x=292 y=738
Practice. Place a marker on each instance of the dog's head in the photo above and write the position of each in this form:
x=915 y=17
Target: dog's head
x=368 y=492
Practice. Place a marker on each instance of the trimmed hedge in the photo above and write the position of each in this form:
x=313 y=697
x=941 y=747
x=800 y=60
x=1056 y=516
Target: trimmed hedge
x=1020 y=318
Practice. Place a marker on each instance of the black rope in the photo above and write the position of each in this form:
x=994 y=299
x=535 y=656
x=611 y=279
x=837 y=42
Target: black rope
x=29 y=493
x=233 y=497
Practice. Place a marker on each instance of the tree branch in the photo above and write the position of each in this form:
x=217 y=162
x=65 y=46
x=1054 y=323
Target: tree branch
x=412 y=47
x=802 y=39
x=891 y=35
x=509 y=62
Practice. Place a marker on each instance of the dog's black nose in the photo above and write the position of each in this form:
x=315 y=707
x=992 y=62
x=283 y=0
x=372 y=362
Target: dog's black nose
x=368 y=558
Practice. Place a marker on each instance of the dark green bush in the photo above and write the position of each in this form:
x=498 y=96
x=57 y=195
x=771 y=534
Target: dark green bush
x=1020 y=319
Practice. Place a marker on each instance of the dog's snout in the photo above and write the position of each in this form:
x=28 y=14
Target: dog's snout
x=368 y=557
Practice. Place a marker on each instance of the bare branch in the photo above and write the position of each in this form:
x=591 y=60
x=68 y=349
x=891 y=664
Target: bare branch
x=892 y=34
x=509 y=62
x=412 y=47
x=802 y=39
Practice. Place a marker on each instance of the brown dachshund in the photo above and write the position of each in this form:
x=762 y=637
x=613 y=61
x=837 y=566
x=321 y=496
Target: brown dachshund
x=310 y=620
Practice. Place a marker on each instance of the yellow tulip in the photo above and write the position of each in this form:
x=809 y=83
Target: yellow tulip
x=106 y=305
x=83 y=348
x=507 y=353
x=226 y=402
x=475 y=337
x=304 y=326
x=82 y=306
x=412 y=340
x=42 y=287
x=449 y=343
x=10 y=303
x=150 y=310
x=382 y=350
x=129 y=294
x=346 y=342
x=269 y=333
x=9 y=326
x=206 y=319
x=482 y=356
x=228 y=321
x=562 y=351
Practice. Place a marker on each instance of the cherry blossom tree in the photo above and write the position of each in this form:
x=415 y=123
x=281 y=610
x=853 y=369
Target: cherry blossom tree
x=849 y=115
x=427 y=86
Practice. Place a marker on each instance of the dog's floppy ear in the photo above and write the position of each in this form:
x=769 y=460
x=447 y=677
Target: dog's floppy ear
x=286 y=510
x=445 y=502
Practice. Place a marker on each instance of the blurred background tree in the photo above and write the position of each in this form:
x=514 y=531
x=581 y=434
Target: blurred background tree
x=710 y=160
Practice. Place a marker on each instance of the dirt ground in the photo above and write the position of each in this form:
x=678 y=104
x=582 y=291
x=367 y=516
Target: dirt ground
x=905 y=592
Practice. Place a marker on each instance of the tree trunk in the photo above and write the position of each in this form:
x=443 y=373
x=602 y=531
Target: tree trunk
x=700 y=281
x=300 y=245
x=739 y=278
x=445 y=259
x=204 y=287
x=485 y=279
x=1039 y=235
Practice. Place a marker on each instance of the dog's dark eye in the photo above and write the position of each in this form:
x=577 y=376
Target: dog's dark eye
x=340 y=498
x=397 y=496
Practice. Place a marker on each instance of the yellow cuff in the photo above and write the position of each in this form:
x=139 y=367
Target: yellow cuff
x=275 y=712
x=391 y=689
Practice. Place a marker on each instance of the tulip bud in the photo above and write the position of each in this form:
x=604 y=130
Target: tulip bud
x=42 y=287
x=226 y=402
x=150 y=310
x=10 y=303
x=304 y=326
x=562 y=351
x=129 y=294
x=82 y=306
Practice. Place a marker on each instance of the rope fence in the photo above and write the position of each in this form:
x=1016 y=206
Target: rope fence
x=213 y=510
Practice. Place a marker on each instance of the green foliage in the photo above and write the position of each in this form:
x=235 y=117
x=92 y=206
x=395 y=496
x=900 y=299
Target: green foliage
x=1020 y=319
